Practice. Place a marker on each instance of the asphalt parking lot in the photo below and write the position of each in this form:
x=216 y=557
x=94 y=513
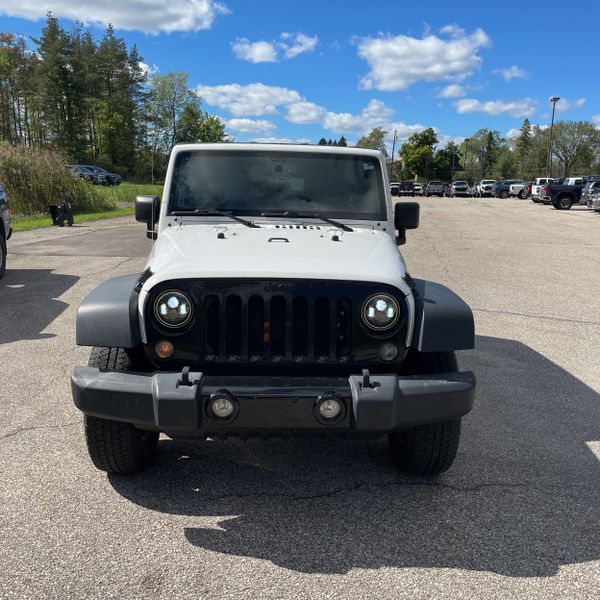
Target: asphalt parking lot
x=516 y=517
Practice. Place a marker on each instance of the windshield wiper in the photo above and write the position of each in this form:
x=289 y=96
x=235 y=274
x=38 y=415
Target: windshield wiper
x=200 y=212
x=306 y=215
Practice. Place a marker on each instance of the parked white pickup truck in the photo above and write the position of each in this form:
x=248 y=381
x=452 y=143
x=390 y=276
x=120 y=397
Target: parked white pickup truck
x=517 y=190
x=484 y=188
x=537 y=189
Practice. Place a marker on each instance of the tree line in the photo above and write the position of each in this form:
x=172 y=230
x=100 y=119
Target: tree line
x=487 y=154
x=92 y=100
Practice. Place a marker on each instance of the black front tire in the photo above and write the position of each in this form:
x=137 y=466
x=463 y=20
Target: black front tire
x=428 y=449
x=113 y=446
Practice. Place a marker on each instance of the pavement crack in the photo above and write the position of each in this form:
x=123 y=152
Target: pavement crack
x=359 y=486
x=36 y=427
x=530 y=316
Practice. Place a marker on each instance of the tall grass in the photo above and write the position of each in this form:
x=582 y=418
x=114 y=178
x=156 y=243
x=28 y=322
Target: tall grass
x=34 y=178
x=126 y=192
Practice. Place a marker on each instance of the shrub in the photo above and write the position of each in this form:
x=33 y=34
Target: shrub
x=34 y=178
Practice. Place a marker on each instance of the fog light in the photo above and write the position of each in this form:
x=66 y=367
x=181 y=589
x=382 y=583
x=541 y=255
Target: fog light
x=164 y=349
x=222 y=408
x=222 y=405
x=388 y=352
x=329 y=409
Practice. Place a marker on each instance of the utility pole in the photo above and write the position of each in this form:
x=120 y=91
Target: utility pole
x=393 y=152
x=554 y=100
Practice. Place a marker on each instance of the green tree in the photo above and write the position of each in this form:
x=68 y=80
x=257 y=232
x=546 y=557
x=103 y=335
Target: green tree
x=447 y=161
x=342 y=142
x=168 y=97
x=322 y=142
x=375 y=139
x=417 y=153
x=523 y=145
x=575 y=145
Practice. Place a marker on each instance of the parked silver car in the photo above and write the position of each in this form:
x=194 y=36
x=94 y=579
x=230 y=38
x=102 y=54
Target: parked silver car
x=593 y=201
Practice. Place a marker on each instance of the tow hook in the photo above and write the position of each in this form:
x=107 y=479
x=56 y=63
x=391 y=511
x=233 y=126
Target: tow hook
x=366 y=382
x=185 y=378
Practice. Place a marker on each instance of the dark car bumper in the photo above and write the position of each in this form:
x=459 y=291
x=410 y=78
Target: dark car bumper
x=271 y=405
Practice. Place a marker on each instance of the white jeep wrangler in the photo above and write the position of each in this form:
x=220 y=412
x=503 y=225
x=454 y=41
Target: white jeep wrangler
x=274 y=302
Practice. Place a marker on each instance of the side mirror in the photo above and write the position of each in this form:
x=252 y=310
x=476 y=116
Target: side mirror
x=406 y=216
x=147 y=210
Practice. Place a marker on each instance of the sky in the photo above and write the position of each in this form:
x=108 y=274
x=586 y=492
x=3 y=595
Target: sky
x=276 y=70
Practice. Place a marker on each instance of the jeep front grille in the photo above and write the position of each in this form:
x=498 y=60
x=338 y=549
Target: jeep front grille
x=276 y=328
x=274 y=323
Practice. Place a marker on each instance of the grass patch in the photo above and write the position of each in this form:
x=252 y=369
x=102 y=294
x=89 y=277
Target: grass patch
x=36 y=222
x=126 y=192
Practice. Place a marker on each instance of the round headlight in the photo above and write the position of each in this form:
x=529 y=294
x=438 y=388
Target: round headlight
x=380 y=312
x=173 y=309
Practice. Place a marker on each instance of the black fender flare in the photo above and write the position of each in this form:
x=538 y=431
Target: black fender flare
x=443 y=320
x=108 y=316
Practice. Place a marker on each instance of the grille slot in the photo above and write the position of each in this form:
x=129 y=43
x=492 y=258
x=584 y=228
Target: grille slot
x=300 y=328
x=233 y=327
x=277 y=329
x=321 y=328
x=255 y=327
x=211 y=326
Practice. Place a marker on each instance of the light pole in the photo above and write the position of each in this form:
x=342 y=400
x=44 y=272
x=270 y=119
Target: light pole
x=554 y=100
x=392 y=163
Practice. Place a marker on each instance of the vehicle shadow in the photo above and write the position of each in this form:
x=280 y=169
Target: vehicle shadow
x=28 y=302
x=521 y=499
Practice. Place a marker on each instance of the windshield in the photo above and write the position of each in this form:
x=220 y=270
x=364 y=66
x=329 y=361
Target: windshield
x=460 y=183
x=486 y=181
x=250 y=183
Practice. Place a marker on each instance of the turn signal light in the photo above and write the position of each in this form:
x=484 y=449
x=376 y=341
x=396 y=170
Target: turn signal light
x=164 y=349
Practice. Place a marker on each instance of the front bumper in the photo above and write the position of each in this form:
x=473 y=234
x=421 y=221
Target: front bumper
x=179 y=406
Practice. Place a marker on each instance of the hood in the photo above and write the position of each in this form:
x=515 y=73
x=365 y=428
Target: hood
x=203 y=250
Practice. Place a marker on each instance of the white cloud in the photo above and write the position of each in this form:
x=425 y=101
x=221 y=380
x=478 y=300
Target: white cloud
x=564 y=105
x=513 y=133
x=596 y=120
x=148 y=69
x=511 y=73
x=297 y=43
x=149 y=16
x=259 y=99
x=398 y=62
x=250 y=125
x=375 y=114
x=452 y=91
x=245 y=100
x=515 y=108
x=280 y=140
x=290 y=44
x=254 y=52
x=305 y=112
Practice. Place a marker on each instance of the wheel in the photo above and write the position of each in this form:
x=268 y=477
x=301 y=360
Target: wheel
x=427 y=449
x=113 y=446
x=2 y=255
x=521 y=195
x=504 y=194
x=563 y=203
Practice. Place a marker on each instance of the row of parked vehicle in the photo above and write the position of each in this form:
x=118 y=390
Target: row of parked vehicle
x=94 y=174
x=561 y=193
